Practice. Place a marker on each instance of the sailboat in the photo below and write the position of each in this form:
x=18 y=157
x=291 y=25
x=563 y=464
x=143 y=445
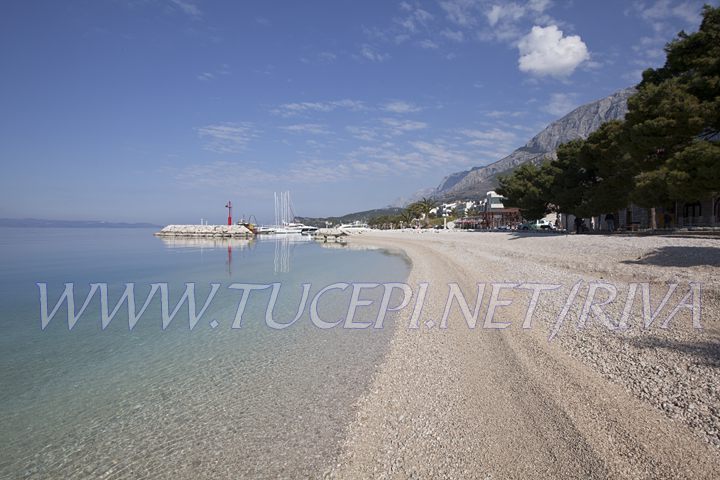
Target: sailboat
x=285 y=217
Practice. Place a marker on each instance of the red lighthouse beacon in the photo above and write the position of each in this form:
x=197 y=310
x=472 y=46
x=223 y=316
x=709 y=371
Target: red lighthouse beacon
x=229 y=207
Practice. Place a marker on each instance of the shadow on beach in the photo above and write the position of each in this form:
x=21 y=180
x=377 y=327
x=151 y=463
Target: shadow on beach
x=680 y=257
x=516 y=234
x=706 y=352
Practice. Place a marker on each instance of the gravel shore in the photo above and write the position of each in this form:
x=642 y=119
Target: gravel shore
x=592 y=403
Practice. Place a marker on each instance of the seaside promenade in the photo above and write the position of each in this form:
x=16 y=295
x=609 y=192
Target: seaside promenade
x=479 y=403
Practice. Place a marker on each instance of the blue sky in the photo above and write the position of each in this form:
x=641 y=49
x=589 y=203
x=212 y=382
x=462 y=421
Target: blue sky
x=162 y=110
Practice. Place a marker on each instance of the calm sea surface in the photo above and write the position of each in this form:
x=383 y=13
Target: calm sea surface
x=180 y=403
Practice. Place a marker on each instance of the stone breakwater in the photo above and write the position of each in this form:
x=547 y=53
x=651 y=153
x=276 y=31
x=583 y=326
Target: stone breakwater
x=204 y=231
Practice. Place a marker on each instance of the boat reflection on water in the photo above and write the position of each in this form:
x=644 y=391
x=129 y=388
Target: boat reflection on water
x=284 y=245
x=283 y=248
x=211 y=243
x=208 y=242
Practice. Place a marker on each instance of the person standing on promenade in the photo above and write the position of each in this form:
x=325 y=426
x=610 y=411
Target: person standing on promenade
x=578 y=225
x=610 y=220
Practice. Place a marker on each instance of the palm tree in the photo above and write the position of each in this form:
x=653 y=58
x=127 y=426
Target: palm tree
x=425 y=205
x=407 y=216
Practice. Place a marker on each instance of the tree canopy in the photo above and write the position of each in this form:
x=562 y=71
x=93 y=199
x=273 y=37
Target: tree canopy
x=528 y=187
x=666 y=148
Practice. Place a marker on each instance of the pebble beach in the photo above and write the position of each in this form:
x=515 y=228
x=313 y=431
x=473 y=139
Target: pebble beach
x=591 y=403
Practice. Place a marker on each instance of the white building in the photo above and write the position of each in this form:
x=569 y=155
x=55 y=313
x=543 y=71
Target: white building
x=493 y=201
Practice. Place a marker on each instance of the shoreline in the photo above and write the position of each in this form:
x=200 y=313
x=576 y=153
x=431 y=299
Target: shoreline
x=508 y=404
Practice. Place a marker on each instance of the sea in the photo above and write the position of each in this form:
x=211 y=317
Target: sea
x=162 y=399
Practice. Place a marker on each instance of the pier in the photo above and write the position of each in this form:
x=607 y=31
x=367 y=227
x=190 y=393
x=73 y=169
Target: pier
x=205 y=231
x=334 y=234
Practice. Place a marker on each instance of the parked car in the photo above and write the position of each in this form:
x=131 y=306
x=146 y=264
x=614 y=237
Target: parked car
x=540 y=225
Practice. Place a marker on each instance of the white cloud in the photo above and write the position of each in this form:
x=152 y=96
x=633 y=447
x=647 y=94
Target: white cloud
x=299 y=108
x=505 y=19
x=539 y=6
x=546 y=51
x=388 y=159
x=460 y=12
x=416 y=18
x=491 y=144
x=650 y=47
x=687 y=11
x=400 y=107
x=370 y=161
x=454 y=35
x=398 y=127
x=508 y=11
x=187 y=7
x=311 y=128
x=385 y=129
x=223 y=174
x=561 y=103
x=367 y=134
x=223 y=69
x=633 y=76
x=227 y=137
x=665 y=17
x=327 y=57
x=428 y=44
x=384 y=159
x=370 y=53
x=513 y=11
x=219 y=174
x=375 y=34
x=319 y=58
x=440 y=154
x=489 y=137
x=504 y=113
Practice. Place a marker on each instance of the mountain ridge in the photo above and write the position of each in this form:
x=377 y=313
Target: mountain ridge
x=579 y=123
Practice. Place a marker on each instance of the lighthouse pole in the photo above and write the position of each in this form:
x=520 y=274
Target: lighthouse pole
x=229 y=207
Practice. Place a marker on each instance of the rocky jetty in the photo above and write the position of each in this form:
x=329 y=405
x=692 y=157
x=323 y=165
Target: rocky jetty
x=204 y=231
x=335 y=234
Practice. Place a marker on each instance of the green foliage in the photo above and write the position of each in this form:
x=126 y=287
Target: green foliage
x=569 y=179
x=608 y=169
x=407 y=216
x=527 y=188
x=422 y=208
x=666 y=149
x=597 y=175
x=385 y=221
x=673 y=122
x=695 y=171
x=350 y=217
x=472 y=212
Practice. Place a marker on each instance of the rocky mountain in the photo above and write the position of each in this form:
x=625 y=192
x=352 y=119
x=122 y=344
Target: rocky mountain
x=579 y=123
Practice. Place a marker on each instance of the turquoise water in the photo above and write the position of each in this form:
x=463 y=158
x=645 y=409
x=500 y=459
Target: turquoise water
x=179 y=403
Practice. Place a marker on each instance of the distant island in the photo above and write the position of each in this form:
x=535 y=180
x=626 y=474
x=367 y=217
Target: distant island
x=44 y=223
